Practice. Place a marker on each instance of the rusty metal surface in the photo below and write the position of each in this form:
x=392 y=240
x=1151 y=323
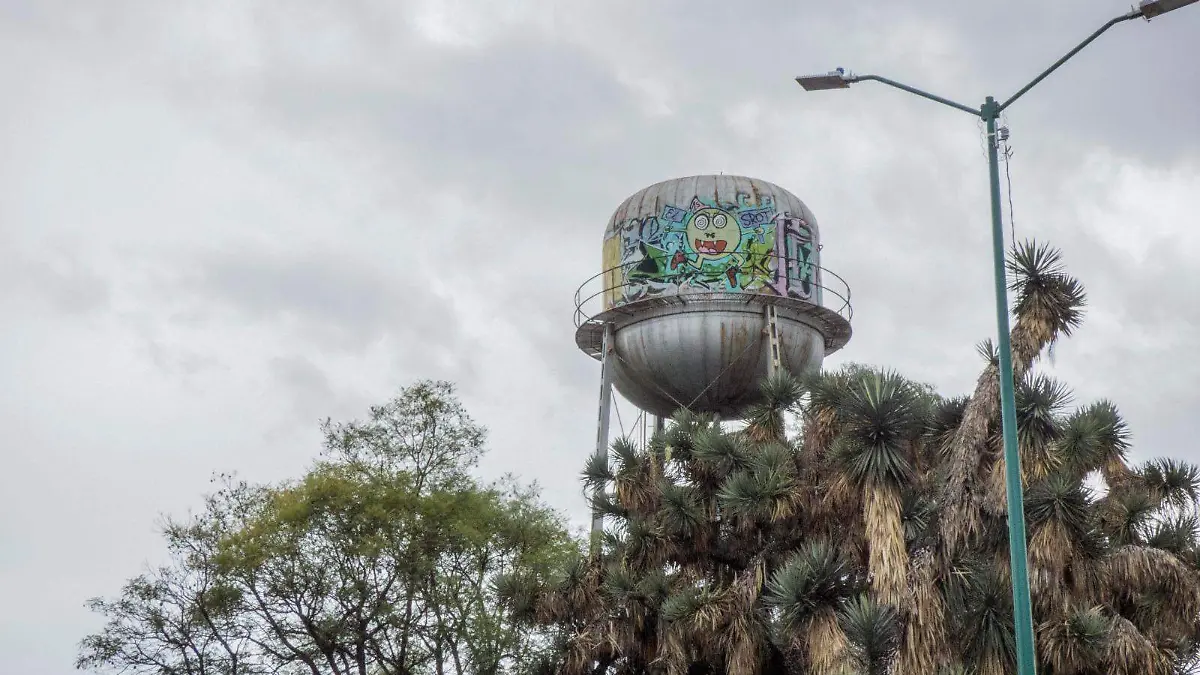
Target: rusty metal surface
x=710 y=353
x=833 y=326
x=716 y=187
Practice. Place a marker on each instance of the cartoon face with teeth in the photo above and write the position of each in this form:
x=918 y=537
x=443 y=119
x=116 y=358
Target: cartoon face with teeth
x=713 y=234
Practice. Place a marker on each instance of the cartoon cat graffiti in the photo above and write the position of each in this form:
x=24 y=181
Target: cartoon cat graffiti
x=712 y=233
x=703 y=245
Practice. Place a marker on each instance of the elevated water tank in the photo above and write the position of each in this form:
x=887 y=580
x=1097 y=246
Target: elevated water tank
x=698 y=274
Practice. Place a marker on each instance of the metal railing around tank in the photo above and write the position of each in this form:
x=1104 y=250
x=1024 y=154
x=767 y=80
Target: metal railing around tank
x=825 y=288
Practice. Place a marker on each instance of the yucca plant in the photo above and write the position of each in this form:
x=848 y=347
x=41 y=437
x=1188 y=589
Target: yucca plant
x=876 y=540
x=882 y=418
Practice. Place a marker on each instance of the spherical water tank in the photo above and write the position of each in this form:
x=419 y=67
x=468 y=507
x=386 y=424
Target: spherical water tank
x=695 y=271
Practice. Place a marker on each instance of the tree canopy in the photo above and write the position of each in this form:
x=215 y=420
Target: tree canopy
x=380 y=560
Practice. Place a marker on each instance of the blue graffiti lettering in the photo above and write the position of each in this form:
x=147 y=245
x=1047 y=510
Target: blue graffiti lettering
x=755 y=217
x=673 y=214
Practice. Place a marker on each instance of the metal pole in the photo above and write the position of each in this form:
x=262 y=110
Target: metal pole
x=606 y=376
x=1018 y=558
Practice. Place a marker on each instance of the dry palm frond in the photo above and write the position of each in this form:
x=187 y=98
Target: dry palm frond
x=693 y=621
x=1131 y=653
x=888 y=555
x=744 y=652
x=1050 y=550
x=744 y=640
x=1153 y=587
x=587 y=646
x=993 y=493
x=961 y=520
x=1002 y=566
x=841 y=499
x=825 y=643
x=619 y=589
x=1075 y=643
x=1086 y=570
x=993 y=663
x=820 y=428
x=925 y=647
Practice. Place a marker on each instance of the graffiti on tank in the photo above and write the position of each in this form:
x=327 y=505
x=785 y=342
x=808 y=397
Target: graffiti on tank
x=710 y=245
x=797 y=277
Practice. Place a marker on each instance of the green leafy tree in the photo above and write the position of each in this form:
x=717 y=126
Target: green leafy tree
x=875 y=539
x=380 y=560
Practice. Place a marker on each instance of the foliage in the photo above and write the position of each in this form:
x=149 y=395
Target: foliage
x=380 y=560
x=875 y=539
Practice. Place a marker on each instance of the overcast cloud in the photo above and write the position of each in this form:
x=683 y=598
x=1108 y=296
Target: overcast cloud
x=221 y=221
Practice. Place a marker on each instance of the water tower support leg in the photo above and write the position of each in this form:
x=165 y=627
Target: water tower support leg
x=772 y=331
x=607 y=354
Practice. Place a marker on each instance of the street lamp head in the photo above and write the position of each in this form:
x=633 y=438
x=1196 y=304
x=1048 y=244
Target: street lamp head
x=1153 y=8
x=834 y=79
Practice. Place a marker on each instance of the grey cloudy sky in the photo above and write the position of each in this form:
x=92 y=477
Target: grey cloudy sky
x=221 y=221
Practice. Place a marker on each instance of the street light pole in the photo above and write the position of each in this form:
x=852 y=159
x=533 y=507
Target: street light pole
x=989 y=112
x=1017 y=555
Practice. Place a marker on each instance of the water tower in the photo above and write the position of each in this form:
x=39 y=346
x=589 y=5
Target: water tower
x=708 y=284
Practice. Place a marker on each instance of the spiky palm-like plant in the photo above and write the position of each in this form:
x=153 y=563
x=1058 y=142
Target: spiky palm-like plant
x=882 y=417
x=1049 y=306
x=876 y=540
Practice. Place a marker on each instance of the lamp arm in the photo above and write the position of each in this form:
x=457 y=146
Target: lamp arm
x=913 y=90
x=1135 y=14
